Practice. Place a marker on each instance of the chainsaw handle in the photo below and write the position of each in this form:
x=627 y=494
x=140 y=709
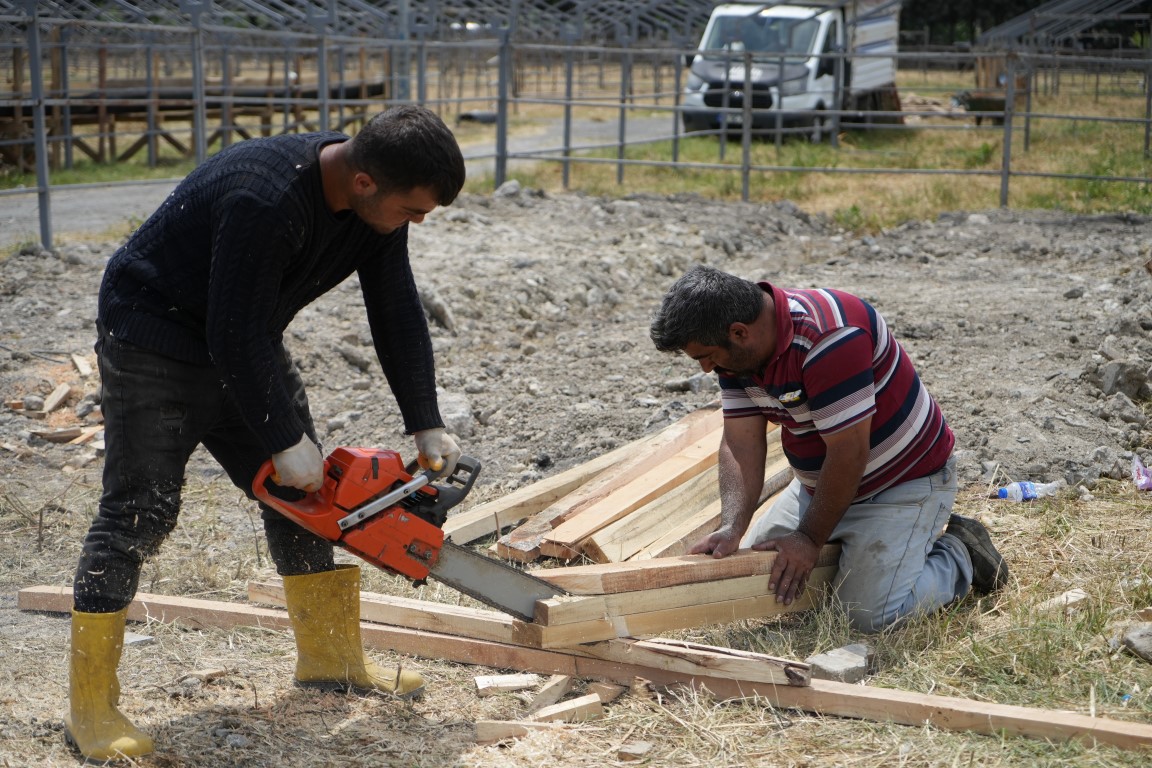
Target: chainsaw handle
x=312 y=507
x=452 y=488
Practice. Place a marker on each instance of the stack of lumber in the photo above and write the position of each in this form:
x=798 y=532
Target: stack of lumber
x=651 y=498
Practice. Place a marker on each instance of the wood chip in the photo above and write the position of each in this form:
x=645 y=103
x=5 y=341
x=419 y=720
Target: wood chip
x=608 y=692
x=495 y=731
x=83 y=367
x=634 y=750
x=64 y=435
x=572 y=711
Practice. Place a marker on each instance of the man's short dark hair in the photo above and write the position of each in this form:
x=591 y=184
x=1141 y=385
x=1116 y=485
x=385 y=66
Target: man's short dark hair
x=406 y=147
x=701 y=306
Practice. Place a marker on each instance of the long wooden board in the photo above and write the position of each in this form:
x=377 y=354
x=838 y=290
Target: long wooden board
x=637 y=575
x=686 y=464
x=823 y=697
x=523 y=543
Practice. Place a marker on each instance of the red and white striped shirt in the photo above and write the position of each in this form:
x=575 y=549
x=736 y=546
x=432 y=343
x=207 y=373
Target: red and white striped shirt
x=836 y=363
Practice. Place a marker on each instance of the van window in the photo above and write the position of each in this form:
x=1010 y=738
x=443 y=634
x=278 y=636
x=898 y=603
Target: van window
x=761 y=34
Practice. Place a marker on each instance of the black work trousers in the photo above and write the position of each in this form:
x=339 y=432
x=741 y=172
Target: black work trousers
x=157 y=410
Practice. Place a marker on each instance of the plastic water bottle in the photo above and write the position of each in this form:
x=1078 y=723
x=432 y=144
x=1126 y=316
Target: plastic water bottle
x=1027 y=490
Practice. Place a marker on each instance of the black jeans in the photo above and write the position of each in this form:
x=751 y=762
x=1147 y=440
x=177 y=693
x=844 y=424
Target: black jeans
x=156 y=411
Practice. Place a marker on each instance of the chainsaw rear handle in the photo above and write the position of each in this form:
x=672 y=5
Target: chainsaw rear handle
x=451 y=489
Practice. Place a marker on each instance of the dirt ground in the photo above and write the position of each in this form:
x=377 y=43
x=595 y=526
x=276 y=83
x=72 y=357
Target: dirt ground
x=1030 y=328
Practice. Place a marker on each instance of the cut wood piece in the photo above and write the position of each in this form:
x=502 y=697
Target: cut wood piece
x=652 y=622
x=575 y=710
x=523 y=543
x=551 y=692
x=1066 y=601
x=633 y=750
x=495 y=731
x=631 y=533
x=633 y=576
x=490 y=685
x=608 y=692
x=493 y=516
x=677 y=469
x=86 y=435
x=681 y=538
x=53 y=401
x=484 y=624
x=83 y=367
x=62 y=435
x=823 y=697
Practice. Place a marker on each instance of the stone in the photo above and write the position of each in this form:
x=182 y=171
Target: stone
x=1138 y=639
x=845 y=665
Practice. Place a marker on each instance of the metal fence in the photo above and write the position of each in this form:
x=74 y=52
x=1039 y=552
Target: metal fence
x=114 y=92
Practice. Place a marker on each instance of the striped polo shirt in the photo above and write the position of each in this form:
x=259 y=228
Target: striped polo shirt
x=836 y=363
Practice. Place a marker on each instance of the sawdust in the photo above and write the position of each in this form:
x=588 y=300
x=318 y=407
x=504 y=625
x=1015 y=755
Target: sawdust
x=1031 y=328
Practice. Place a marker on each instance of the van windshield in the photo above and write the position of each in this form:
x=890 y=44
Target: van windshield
x=762 y=34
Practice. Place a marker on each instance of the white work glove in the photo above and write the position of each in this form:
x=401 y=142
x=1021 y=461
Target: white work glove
x=300 y=466
x=437 y=451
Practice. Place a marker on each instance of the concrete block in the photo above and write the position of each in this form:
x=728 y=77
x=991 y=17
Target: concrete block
x=849 y=664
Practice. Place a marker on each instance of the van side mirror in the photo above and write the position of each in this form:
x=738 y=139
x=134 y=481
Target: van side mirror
x=827 y=66
x=687 y=62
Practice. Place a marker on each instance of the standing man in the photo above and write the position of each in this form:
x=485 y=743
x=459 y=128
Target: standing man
x=870 y=449
x=192 y=310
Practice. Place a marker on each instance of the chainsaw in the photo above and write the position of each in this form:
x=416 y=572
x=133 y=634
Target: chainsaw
x=372 y=505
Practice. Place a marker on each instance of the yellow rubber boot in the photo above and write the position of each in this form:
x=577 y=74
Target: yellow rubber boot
x=93 y=723
x=325 y=612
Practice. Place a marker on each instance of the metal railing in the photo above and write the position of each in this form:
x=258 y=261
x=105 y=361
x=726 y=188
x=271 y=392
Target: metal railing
x=100 y=92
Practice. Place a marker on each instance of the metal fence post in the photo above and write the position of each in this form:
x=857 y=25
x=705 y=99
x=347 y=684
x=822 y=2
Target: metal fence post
x=195 y=10
x=39 y=125
x=569 y=37
x=1009 y=107
x=746 y=133
x=625 y=90
x=504 y=59
x=1147 y=107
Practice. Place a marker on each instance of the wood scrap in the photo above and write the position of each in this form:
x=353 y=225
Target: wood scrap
x=53 y=401
x=490 y=685
x=633 y=750
x=83 y=367
x=86 y=435
x=496 y=731
x=576 y=710
x=62 y=435
x=823 y=697
x=551 y=692
x=638 y=491
x=608 y=692
x=1066 y=601
x=523 y=543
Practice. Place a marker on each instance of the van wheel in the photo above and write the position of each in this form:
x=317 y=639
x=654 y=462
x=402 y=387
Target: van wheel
x=818 y=128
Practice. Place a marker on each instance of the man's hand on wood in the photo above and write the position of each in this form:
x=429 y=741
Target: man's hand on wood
x=796 y=556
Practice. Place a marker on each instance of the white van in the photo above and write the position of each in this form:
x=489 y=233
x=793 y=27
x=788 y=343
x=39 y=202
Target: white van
x=796 y=73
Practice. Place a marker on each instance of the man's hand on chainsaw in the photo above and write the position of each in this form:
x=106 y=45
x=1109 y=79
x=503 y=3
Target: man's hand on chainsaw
x=300 y=466
x=437 y=451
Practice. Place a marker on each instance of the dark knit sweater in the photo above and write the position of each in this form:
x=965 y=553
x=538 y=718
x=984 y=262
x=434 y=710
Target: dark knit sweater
x=244 y=243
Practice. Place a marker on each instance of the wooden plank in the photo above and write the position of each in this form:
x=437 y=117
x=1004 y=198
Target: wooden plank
x=477 y=623
x=62 y=435
x=651 y=622
x=823 y=697
x=490 y=685
x=488 y=625
x=523 y=543
x=679 y=539
x=53 y=401
x=551 y=692
x=633 y=576
x=686 y=464
x=628 y=535
x=572 y=610
x=682 y=505
x=493 y=516
x=496 y=731
x=576 y=710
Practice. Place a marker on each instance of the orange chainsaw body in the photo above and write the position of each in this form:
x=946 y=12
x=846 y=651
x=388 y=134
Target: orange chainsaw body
x=401 y=538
